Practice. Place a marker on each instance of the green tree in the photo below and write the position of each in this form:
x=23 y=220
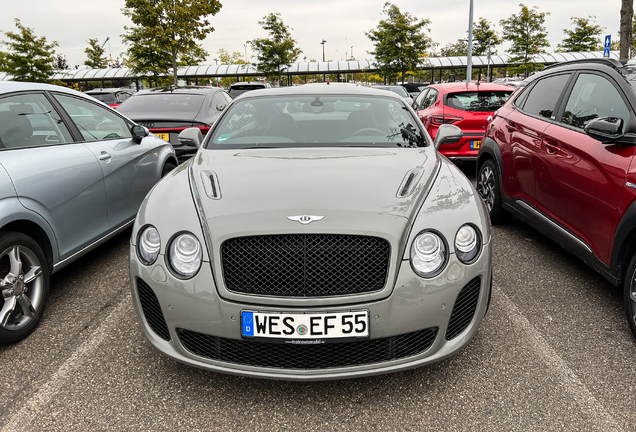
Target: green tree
x=279 y=50
x=399 y=41
x=226 y=59
x=586 y=36
x=527 y=35
x=29 y=58
x=168 y=26
x=95 y=55
x=484 y=35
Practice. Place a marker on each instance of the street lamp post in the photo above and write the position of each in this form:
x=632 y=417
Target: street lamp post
x=488 y=60
x=469 y=63
x=323 y=57
x=351 y=52
x=245 y=45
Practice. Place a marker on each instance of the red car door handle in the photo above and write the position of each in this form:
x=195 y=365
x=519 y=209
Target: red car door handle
x=551 y=146
x=511 y=127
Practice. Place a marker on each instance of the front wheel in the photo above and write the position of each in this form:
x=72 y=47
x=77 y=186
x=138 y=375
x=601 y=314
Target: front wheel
x=169 y=166
x=24 y=281
x=630 y=295
x=489 y=189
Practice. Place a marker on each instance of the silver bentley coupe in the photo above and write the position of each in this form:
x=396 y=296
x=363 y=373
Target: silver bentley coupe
x=316 y=234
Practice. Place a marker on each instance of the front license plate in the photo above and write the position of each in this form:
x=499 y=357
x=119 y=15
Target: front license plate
x=165 y=136
x=474 y=145
x=288 y=327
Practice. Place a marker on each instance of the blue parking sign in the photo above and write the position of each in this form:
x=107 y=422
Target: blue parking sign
x=608 y=44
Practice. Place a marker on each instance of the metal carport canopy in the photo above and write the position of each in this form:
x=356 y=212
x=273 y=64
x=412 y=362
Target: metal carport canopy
x=334 y=67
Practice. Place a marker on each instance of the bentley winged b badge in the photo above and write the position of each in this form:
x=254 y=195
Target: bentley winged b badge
x=305 y=219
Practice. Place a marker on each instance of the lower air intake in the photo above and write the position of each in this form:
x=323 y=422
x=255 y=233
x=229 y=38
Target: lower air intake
x=464 y=308
x=290 y=356
x=152 y=310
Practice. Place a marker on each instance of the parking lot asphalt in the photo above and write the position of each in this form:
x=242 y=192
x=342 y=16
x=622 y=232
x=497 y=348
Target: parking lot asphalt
x=554 y=353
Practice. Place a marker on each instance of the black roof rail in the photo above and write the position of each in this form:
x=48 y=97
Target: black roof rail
x=608 y=61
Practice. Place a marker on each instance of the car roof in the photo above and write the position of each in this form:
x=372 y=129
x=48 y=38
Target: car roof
x=250 y=83
x=320 y=88
x=625 y=68
x=469 y=86
x=108 y=90
x=15 y=86
x=179 y=90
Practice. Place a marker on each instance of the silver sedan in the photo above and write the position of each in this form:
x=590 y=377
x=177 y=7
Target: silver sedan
x=73 y=173
x=316 y=234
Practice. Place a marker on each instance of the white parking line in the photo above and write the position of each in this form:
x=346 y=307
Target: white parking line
x=586 y=400
x=23 y=420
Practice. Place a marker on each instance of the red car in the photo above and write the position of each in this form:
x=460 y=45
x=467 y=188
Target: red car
x=465 y=105
x=560 y=156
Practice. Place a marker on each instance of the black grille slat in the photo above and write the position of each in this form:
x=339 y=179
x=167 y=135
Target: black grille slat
x=307 y=357
x=464 y=308
x=152 y=310
x=305 y=265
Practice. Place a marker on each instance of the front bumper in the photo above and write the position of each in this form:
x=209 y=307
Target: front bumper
x=189 y=322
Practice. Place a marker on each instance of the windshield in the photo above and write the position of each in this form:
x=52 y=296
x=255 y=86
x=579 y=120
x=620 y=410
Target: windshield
x=163 y=103
x=317 y=120
x=477 y=100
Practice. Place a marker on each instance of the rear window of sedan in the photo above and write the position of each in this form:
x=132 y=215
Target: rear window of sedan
x=164 y=103
x=477 y=100
x=107 y=98
x=317 y=120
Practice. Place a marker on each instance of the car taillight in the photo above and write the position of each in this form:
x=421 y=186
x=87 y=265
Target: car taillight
x=445 y=119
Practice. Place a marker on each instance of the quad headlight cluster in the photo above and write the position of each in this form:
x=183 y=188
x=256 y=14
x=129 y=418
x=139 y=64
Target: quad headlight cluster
x=184 y=254
x=429 y=250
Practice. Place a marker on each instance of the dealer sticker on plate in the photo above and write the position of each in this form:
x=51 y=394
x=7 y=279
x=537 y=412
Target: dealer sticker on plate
x=296 y=328
x=475 y=144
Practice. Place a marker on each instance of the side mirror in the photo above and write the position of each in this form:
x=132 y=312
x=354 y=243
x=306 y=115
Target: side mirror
x=447 y=134
x=139 y=133
x=605 y=129
x=191 y=137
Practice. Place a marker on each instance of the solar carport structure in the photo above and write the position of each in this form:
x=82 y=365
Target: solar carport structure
x=245 y=72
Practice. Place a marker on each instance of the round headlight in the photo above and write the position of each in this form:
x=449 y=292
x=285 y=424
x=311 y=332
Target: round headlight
x=185 y=255
x=148 y=245
x=428 y=254
x=467 y=244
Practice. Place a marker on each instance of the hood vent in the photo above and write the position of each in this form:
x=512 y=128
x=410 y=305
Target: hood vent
x=411 y=179
x=211 y=184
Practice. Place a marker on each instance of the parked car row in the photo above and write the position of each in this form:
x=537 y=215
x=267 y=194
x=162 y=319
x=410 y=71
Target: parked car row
x=73 y=173
x=309 y=222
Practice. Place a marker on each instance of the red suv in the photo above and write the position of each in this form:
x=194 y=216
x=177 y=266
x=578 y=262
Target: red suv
x=465 y=105
x=559 y=155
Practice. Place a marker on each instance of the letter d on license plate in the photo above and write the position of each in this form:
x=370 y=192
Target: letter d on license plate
x=289 y=326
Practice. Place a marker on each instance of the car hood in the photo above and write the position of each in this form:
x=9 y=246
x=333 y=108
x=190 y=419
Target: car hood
x=354 y=190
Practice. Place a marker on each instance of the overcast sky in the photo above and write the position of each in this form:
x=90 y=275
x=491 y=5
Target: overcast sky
x=342 y=23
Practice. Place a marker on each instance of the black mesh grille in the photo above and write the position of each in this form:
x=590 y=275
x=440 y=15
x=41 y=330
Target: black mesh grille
x=305 y=265
x=289 y=356
x=152 y=310
x=464 y=308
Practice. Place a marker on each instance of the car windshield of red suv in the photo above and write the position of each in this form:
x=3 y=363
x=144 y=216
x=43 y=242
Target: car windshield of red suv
x=477 y=101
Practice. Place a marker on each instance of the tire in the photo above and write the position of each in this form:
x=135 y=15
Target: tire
x=489 y=189
x=168 y=166
x=630 y=295
x=24 y=282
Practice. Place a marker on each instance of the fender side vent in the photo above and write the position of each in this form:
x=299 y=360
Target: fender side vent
x=211 y=184
x=410 y=181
